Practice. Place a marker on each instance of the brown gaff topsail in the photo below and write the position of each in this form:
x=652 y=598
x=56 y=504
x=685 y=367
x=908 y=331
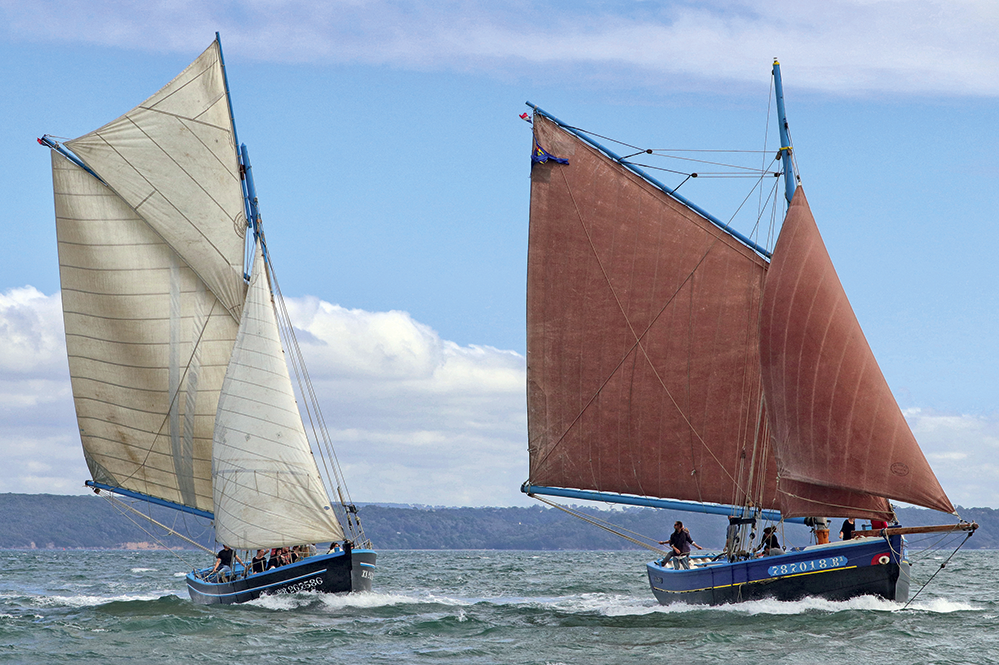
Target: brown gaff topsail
x=642 y=339
x=665 y=358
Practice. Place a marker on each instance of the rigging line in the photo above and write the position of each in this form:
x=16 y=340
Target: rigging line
x=868 y=511
x=659 y=150
x=713 y=175
x=942 y=566
x=655 y=168
x=118 y=505
x=756 y=225
x=603 y=526
x=331 y=463
x=311 y=405
x=761 y=434
x=935 y=546
x=607 y=522
x=766 y=140
x=638 y=342
x=737 y=485
x=750 y=172
x=705 y=161
x=665 y=150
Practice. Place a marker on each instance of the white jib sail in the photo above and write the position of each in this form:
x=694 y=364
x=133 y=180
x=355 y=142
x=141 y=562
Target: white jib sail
x=267 y=488
x=148 y=345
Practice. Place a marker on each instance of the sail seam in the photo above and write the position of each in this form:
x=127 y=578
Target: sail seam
x=186 y=173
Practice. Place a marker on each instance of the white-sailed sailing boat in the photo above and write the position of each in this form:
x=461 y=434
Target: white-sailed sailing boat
x=183 y=394
x=673 y=362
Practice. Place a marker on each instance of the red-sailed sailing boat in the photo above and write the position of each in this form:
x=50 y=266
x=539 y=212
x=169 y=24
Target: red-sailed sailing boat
x=673 y=362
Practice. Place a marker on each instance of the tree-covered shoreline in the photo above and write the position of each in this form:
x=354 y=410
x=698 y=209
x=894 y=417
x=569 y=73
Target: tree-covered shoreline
x=48 y=521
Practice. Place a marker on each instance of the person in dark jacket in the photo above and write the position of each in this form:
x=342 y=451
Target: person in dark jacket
x=679 y=542
x=223 y=561
x=259 y=562
x=770 y=544
x=846 y=531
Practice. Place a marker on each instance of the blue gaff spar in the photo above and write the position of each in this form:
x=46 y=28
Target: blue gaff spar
x=176 y=334
x=674 y=362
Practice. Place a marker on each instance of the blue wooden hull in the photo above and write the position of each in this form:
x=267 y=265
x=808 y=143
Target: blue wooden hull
x=325 y=573
x=837 y=571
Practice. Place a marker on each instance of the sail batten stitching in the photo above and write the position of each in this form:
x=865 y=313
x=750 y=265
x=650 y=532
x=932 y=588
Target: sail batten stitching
x=192 y=178
x=153 y=109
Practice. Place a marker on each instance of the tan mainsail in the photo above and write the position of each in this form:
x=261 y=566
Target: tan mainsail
x=840 y=436
x=642 y=348
x=147 y=341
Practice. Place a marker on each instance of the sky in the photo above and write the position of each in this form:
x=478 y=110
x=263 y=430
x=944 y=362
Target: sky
x=393 y=172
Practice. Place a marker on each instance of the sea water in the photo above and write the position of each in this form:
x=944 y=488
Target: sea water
x=476 y=607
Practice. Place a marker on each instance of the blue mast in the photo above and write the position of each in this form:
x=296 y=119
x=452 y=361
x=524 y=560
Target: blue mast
x=246 y=175
x=785 y=137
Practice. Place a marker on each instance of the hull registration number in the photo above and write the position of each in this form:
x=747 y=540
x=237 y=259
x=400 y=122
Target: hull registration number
x=807 y=566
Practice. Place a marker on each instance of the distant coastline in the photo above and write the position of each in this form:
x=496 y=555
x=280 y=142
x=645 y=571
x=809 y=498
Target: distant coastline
x=57 y=522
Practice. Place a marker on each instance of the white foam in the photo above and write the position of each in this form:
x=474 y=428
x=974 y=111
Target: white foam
x=941 y=606
x=366 y=600
x=618 y=605
x=91 y=601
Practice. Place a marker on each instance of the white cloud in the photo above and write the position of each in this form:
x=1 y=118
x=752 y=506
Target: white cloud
x=31 y=329
x=962 y=450
x=413 y=418
x=849 y=47
x=416 y=418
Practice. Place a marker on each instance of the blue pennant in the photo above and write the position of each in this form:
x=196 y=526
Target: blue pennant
x=540 y=155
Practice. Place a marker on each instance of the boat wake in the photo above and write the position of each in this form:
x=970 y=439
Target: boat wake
x=366 y=600
x=602 y=604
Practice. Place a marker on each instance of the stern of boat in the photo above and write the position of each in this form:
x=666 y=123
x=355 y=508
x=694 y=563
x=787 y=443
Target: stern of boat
x=362 y=570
